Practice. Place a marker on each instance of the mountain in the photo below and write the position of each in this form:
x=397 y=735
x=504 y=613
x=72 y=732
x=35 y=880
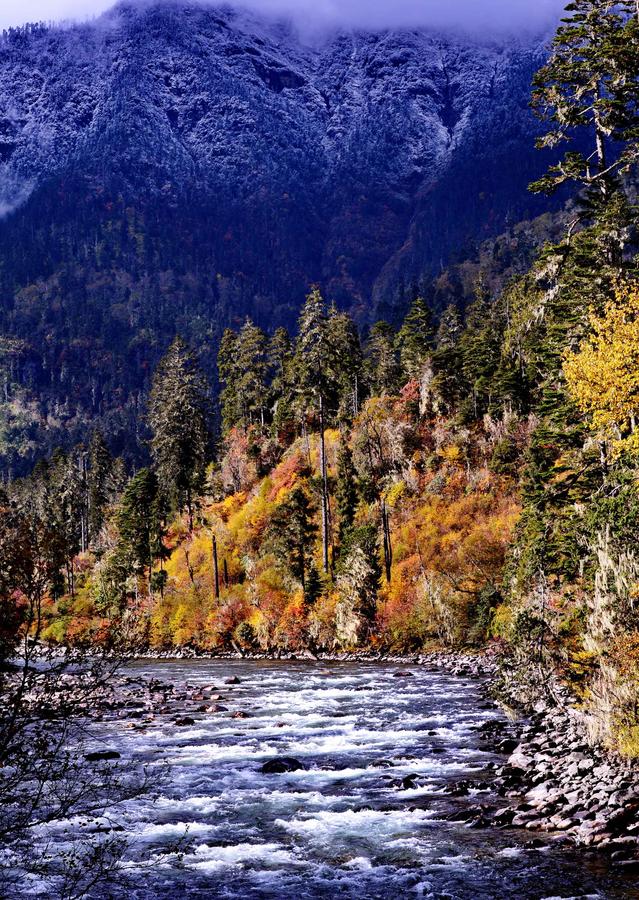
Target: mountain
x=175 y=167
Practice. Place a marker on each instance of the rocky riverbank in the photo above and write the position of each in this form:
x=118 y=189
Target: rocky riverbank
x=555 y=779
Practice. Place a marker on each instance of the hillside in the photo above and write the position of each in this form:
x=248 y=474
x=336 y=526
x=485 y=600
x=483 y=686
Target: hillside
x=172 y=168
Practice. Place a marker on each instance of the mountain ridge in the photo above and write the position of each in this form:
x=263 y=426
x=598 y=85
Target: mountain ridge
x=176 y=167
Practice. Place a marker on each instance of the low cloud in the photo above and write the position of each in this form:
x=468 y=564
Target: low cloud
x=14 y=191
x=469 y=15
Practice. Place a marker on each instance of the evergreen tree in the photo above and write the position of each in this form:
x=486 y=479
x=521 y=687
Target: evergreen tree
x=251 y=366
x=480 y=353
x=229 y=375
x=447 y=361
x=140 y=520
x=99 y=483
x=345 y=489
x=590 y=87
x=359 y=577
x=178 y=412
x=382 y=365
x=346 y=363
x=415 y=339
x=315 y=374
x=313 y=587
x=66 y=507
x=280 y=359
x=292 y=532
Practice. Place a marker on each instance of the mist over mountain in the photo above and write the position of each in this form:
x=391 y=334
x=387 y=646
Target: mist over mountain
x=175 y=167
x=489 y=17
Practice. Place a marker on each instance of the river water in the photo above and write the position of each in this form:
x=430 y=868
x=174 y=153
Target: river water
x=348 y=825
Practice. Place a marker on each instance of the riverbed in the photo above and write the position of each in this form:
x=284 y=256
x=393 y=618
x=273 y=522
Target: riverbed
x=395 y=770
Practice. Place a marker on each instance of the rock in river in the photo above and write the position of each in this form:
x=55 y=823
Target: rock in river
x=280 y=765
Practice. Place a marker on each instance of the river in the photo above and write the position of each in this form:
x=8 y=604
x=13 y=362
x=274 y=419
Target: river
x=352 y=823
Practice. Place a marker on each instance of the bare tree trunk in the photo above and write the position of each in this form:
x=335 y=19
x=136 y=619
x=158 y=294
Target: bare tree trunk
x=216 y=573
x=600 y=144
x=324 y=477
x=388 y=547
x=226 y=573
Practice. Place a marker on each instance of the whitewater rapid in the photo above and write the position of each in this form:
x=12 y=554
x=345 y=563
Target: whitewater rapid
x=352 y=823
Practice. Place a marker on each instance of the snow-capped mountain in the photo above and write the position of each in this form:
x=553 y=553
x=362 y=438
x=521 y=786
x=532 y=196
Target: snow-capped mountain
x=172 y=167
x=351 y=161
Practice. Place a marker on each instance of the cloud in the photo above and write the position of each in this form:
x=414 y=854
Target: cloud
x=14 y=191
x=50 y=10
x=469 y=15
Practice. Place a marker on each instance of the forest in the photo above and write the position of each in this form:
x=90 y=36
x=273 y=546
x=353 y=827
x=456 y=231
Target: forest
x=464 y=478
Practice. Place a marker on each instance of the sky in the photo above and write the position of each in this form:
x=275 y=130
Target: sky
x=474 y=15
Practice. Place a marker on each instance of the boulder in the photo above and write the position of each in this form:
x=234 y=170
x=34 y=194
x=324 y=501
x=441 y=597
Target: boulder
x=102 y=755
x=281 y=764
x=184 y=721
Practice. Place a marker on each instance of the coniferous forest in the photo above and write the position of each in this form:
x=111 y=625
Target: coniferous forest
x=460 y=477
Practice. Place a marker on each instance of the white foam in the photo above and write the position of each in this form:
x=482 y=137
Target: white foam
x=366 y=821
x=211 y=859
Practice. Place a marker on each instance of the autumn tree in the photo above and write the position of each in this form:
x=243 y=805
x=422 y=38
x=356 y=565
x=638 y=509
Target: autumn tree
x=178 y=416
x=28 y=566
x=603 y=374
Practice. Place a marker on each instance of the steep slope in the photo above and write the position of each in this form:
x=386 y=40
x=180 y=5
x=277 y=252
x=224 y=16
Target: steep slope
x=175 y=167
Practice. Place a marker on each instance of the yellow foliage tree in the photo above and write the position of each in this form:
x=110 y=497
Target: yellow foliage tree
x=603 y=374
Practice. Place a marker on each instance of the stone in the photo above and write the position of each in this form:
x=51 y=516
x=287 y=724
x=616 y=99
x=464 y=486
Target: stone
x=184 y=721
x=281 y=764
x=102 y=755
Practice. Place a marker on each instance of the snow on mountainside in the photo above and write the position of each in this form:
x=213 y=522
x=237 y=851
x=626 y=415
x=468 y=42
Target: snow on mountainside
x=171 y=168
x=353 y=136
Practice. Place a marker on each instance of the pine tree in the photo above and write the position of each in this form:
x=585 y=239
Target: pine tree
x=447 y=360
x=346 y=362
x=382 y=365
x=229 y=374
x=140 y=522
x=480 y=353
x=292 y=531
x=345 y=489
x=281 y=390
x=359 y=577
x=66 y=507
x=314 y=371
x=99 y=483
x=178 y=412
x=415 y=339
x=590 y=86
x=313 y=587
x=251 y=367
